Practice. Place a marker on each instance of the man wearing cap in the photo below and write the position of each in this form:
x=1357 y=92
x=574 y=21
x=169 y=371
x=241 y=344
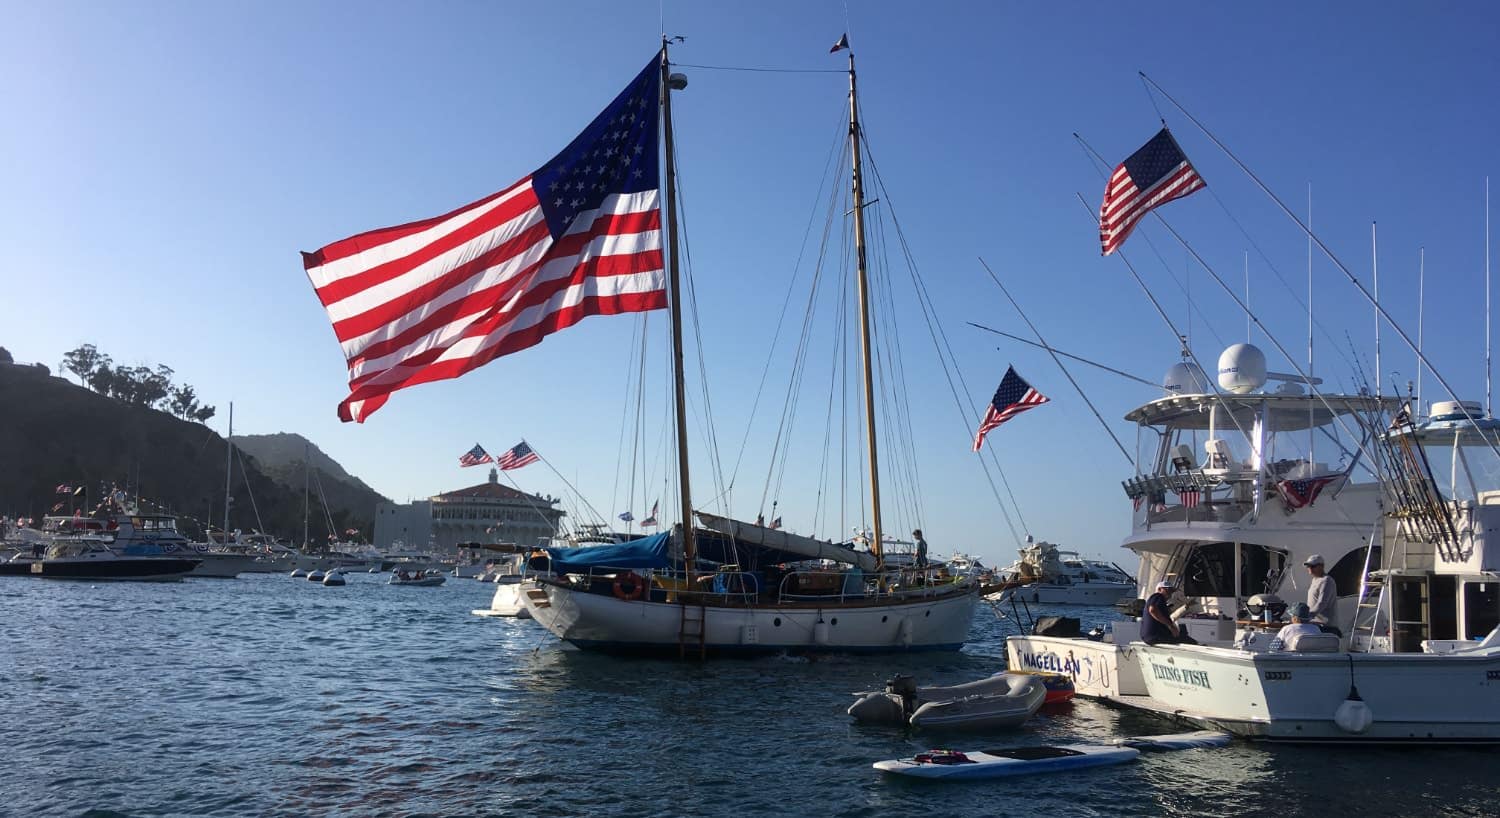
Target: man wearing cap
x=1300 y=625
x=1322 y=595
x=1157 y=626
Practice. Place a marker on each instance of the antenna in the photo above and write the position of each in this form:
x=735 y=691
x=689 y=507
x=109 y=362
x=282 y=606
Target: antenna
x=1421 y=305
x=1488 y=405
x=1311 y=438
x=1375 y=270
x=1247 y=296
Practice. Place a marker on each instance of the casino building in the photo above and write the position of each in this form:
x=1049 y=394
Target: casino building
x=487 y=513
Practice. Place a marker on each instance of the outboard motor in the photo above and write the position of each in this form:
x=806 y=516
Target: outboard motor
x=894 y=705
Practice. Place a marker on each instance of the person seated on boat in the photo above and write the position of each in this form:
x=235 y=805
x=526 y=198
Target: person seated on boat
x=921 y=548
x=1322 y=595
x=1299 y=625
x=1157 y=625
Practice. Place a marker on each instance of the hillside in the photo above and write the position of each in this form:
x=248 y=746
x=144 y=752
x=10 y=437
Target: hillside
x=280 y=456
x=53 y=433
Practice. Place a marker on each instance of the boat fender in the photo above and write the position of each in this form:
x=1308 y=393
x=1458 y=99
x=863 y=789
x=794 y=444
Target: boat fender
x=1353 y=715
x=820 y=632
x=629 y=585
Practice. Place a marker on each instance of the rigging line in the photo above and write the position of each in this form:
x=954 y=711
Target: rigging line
x=638 y=329
x=761 y=70
x=1494 y=446
x=1077 y=358
x=825 y=467
x=240 y=456
x=942 y=344
x=716 y=474
x=1152 y=97
x=1058 y=361
x=573 y=488
x=945 y=354
x=899 y=434
x=834 y=151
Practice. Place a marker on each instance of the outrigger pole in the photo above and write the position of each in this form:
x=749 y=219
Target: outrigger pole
x=864 y=317
x=689 y=547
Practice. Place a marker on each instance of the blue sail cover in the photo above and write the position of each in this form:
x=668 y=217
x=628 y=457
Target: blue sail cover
x=647 y=552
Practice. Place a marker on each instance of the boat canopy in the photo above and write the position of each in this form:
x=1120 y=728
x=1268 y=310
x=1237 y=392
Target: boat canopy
x=647 y=552
x=1285 y=413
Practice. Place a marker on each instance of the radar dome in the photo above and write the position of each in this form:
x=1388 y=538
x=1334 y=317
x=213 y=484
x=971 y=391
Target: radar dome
x=1242 y=369
x=1185 y=378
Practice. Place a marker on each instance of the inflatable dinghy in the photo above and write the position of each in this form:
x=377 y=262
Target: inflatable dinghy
x=955 y=764
x=1176 y=741
x=1001 y=700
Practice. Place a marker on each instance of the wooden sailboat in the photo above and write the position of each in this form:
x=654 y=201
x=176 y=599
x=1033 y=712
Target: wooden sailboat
x=749 y=601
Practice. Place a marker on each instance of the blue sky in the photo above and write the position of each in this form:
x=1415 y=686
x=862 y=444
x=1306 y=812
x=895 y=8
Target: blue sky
x=164 y=162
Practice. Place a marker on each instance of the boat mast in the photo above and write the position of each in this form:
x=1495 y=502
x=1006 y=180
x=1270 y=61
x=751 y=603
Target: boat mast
x=306 y=478
x=689 y=547
x=228 y=471
x=864 y=316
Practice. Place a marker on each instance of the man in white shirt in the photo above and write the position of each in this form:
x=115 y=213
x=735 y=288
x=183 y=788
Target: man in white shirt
x=1299 y=626
x=1322 y=594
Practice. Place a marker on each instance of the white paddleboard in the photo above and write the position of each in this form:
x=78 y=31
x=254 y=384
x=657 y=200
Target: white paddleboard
x=954 y=764
x=1176 y=741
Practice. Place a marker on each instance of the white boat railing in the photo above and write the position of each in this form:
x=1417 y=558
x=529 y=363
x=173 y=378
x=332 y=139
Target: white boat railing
x=805 y=586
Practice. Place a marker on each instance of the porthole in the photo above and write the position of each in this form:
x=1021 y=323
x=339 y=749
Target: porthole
x=776 y=621
x=884 y=618
x=835 y=621
x=929 y=613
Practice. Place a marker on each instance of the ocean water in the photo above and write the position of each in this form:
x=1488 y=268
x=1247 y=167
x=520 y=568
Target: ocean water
x=272 y=696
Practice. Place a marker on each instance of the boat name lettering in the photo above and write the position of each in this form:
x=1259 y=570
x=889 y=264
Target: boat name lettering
x=1278 y=675
x=1051 y=662
x=1196 y=678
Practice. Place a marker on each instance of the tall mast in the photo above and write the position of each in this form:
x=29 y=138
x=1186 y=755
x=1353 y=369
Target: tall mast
x=689 y=547
x=228 y=470
x=306 y=478
x=864 y=315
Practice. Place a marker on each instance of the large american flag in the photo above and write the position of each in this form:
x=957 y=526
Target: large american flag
x=475 y=457
x=518 y=456
x=1154 y=175
x=433 y=299
x=1013 y=397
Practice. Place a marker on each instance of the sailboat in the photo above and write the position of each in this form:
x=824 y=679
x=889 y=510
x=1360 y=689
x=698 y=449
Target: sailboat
x=734 y=587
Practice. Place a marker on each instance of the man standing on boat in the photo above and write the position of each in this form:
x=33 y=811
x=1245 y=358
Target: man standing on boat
x=921 y=548
x=1322 y=594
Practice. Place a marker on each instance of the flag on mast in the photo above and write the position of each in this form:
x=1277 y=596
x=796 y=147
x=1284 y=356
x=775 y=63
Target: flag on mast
x=842 y=44
x=1154 y=175
x=475 y=457
x=651 y=519
x=517 y=456
x=1013 y=397
x=434 y=299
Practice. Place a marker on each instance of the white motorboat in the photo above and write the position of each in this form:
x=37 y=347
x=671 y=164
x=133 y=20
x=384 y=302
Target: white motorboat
x=1418 y=656
x=509 y=579
x=1001 y=700
x=1048 y=576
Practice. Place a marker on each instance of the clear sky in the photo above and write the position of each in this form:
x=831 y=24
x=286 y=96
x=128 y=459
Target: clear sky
x=164 y=162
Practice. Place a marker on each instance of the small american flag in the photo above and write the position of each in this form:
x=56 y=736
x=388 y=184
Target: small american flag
x=1154 y=175
x=776 y=523
x=64 y=489
x=1013 y=397
x=518 y=456
x=1189 y=497
x=1299 y=493
x=475 y=457
x=579 y=236
x=651 y=518
x=1139 y=501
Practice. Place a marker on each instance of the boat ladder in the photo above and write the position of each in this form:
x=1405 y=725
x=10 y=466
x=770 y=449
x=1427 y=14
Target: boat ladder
x=538 y=597
x=1367 y=614
x=692 y=632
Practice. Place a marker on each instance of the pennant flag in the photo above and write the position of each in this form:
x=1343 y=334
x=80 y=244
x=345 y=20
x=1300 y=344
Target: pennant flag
x=1154 y=175
x=776 y=523
x=1299 y=493
x=434 y=299
x=518 y=456
x=651 y=520
x=1013 y=397
x=64 y=489
x=842 y=44
x=475 y=456
x=77 y=491
x=626 y=516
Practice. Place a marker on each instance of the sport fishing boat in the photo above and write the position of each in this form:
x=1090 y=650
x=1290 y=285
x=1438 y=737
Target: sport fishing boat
x=729 y=586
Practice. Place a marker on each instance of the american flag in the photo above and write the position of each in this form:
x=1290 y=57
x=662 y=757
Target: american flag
x=64 y=489
x=1012 y=398
x=651 y=519
x=1299 y=493
x=518 y=456
x=1154 y=175
x=475 y=456
x=1189 y=497
x=776 y=523
x=433 y=299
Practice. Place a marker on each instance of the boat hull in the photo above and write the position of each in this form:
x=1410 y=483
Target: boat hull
x=144 y=569
x=599 y=622
x=1282 y=696
x=1099 y=670
x=1077 y=594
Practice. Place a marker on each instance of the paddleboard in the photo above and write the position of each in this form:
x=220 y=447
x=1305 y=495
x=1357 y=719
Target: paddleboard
x=1176 y=741
x=956 y=764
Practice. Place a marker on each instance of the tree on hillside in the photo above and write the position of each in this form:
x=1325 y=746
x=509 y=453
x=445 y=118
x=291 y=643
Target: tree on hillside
x=83 y=361
x=102 y=376
x=5 y=357
x=202 y=415
x=183 y=402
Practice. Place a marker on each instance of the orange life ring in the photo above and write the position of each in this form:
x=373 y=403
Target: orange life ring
x=630 y=585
